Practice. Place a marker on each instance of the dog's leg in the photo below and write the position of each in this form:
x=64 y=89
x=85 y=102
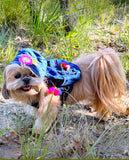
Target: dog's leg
x=46 y=116
x=47 y=112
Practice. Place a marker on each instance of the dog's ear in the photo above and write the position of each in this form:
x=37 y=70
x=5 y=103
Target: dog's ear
x=5 y=92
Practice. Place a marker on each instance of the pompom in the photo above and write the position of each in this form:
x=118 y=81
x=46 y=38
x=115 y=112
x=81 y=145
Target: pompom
x=51 y=90
x=54 y=90
x=65 y=66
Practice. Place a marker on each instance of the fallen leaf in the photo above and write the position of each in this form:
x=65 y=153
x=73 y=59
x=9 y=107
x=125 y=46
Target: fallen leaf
x=13 y=135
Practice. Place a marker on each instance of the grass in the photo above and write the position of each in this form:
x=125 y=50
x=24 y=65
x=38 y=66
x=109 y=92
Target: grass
x=45 y=23
x=78 y=137
x=94 y=24
x=13 y=12
x=34 y=146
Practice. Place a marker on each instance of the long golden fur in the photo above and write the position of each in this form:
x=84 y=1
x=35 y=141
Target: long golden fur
x=102 y=84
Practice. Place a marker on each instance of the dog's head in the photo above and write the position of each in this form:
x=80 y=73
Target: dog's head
x=20 y=82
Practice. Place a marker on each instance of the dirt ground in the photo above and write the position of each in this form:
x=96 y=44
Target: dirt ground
x=106 y=139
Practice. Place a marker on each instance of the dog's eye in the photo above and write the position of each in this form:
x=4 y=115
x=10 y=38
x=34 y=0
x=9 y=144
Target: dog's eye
x=32 y=75
x=17 y=76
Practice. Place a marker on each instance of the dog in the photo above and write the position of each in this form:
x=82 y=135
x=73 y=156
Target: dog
x=101 y=83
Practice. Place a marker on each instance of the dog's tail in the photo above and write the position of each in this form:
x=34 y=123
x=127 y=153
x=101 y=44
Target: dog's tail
x=108 y=81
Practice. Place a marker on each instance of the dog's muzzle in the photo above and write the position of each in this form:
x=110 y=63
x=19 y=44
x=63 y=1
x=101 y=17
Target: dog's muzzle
x=26 y=80
x=26 y=86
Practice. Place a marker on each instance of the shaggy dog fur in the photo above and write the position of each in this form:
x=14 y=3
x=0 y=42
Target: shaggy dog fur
x=102 y=85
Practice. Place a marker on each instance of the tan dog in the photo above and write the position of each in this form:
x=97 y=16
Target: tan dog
x=102 y=84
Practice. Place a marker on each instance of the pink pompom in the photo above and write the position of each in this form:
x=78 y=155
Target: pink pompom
x=56 y=92
x=51 y=90
x=65 y=66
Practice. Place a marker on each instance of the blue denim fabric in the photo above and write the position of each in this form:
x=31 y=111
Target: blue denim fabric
x=57 y=76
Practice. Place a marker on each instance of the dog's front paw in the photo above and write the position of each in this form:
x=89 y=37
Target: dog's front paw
x=38 y=125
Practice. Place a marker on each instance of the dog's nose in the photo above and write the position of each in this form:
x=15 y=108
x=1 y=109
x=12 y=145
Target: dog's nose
x=26 y=80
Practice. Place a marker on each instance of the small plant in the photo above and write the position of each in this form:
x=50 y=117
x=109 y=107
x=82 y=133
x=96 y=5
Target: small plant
x=2 y=131
x=125 y=61
x=10 y=52
x=1 y=76
x=45 y=21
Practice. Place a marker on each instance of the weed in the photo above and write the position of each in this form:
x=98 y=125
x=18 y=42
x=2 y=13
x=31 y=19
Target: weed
x=2 y=131
x=10 y=52
x=1 y=76
x=45 y=21
x=125 y=61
